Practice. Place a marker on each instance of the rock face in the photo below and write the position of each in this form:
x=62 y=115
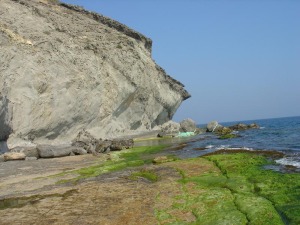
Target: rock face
x=64 y=69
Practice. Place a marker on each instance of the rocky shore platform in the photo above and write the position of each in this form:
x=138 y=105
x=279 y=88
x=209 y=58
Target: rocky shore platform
x=146 y=185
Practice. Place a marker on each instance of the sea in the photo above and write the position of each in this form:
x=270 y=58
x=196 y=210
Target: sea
x=279 y=134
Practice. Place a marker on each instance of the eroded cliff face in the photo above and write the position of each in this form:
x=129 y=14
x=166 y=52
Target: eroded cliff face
x=64 y=69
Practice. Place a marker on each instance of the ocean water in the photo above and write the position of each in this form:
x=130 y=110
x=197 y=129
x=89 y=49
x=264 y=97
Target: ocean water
x=280 y=134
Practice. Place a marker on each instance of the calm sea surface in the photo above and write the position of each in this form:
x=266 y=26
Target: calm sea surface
x=281 y=134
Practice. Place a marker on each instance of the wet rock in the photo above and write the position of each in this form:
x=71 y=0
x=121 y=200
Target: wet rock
x=253 y=126
x=10 y=156
x=241 y=126
x=223 y=130
x=200 y=149
x=188 y=125
x=51 y=151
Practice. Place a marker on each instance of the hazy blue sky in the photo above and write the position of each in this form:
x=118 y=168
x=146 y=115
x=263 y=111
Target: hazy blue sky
x=239 y=60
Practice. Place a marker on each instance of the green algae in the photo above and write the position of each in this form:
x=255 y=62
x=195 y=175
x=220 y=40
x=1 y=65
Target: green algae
x=147 y=174
x=270 y=195
x=228 y=136
x=204 y=196
x=240 y=191
x=134 y=157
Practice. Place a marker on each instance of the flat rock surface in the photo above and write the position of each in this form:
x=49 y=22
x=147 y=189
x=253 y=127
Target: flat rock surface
x=107 y=199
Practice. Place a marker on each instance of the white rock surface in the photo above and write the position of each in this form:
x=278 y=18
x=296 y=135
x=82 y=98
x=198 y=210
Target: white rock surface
x=64 y=69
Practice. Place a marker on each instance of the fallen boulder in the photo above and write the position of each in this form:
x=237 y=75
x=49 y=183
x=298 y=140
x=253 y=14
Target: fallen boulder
x=213 y=126
x=51 y=151
x=169 y=128
x=188 y=125
x=117 y=145
x=28 y=151
x=10 y=156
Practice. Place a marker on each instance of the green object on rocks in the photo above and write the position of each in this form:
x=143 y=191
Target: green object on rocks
x=185 y=134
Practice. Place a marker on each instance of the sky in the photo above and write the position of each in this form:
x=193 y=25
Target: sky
x=239 y=59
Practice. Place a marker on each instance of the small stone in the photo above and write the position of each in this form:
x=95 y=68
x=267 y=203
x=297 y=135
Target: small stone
x=30 y=158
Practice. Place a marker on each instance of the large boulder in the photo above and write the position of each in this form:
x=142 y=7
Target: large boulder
x=51 y=151
x=169 y=128
x=213 y=126
x=121 y=144
x=64 y=69
x=188 y=125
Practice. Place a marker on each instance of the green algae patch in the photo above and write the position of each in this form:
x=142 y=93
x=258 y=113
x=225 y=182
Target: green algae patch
x=202 y=197
x=228 y=136
x=134 y=157
x=271 y=197
x=231 y=189
x=147 y=174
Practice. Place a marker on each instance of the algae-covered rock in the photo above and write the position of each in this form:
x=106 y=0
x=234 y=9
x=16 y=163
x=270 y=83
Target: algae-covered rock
x=213 y=126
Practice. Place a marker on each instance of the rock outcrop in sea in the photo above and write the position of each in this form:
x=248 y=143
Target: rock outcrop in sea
x=64 y=69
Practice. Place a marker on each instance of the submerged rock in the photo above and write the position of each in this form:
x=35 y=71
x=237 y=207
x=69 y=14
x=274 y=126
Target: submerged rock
x=241 y=126
x=64 y=69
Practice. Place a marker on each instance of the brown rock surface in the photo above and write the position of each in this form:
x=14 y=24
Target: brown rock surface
x=30 y=196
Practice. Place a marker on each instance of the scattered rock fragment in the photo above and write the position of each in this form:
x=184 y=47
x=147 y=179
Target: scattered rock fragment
x=10 y=156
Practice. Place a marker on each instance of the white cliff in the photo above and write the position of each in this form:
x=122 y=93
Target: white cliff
x=64 y=69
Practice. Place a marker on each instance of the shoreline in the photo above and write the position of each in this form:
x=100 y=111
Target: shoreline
x=138 y=186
